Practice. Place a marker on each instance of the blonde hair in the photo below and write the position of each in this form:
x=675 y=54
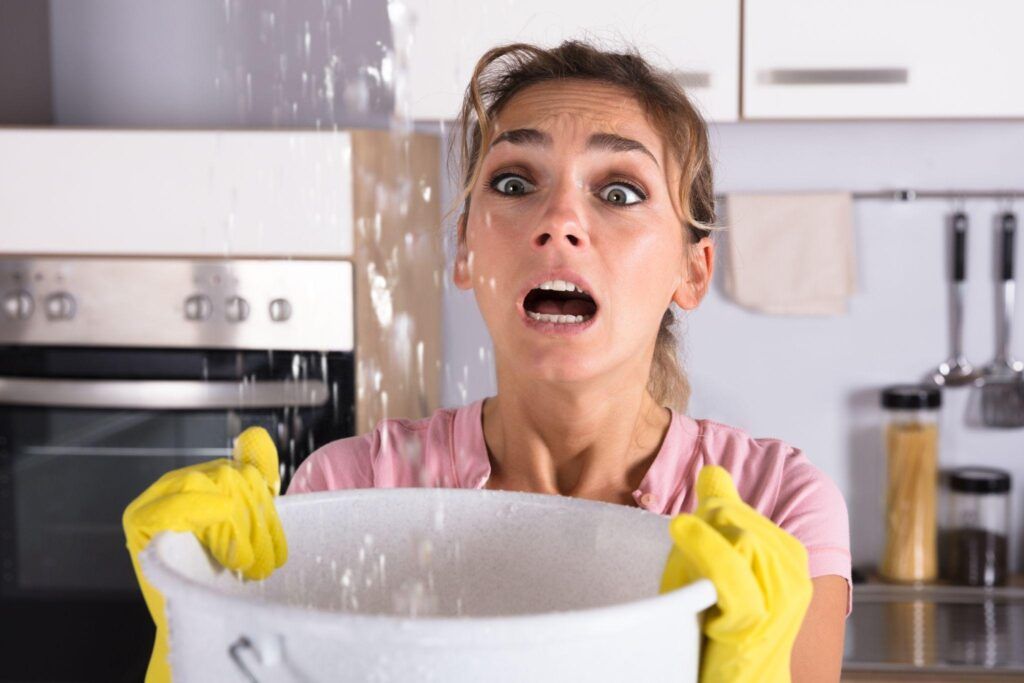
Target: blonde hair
x=506 y=70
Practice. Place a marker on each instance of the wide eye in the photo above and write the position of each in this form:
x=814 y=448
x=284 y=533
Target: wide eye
x=512 y=185
x=622 y=194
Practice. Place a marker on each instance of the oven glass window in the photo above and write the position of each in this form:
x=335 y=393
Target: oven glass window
x=71 y=473
x=68 y=469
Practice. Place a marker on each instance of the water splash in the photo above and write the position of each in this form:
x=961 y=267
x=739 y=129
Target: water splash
x=307 y=65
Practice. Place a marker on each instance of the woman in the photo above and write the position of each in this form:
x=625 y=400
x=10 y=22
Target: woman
x=587 y=211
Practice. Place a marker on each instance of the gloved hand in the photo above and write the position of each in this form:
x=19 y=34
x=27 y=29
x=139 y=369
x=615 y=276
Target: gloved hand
x=761 y=576
x=228 y=505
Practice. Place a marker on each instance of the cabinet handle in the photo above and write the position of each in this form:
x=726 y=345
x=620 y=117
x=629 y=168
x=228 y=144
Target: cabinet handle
x=693 y=79
x=833 y=76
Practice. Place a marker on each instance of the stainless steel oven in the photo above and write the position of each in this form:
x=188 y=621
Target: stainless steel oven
x=114 y=371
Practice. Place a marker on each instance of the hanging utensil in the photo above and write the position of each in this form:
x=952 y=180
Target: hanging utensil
x=1002 y=397
x=957 y=371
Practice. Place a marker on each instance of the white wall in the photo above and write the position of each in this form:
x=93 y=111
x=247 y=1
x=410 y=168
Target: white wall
x=217 y=64
x=814 y=382
x=25 y=63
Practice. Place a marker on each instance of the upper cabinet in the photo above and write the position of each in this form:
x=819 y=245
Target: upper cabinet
x=883 y=59
x=696 y=40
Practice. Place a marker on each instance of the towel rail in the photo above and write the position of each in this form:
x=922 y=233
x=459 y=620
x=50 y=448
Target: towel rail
x=909 y=195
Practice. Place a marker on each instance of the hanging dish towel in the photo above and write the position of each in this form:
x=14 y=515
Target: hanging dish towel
x=792 y=253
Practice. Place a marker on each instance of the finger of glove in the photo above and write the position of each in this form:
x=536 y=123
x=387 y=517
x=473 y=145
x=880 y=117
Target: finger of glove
x=246 y=545
x=677 y=572
x=779 y=560
x=708 y=554
x=716 y=491
x=714 y=481
x=264 y=537
x=276 y=531
x=735 y=519
x=190 y=511
x=229 y=543
x=194 y=479
x=255 y=447
x=231 y=540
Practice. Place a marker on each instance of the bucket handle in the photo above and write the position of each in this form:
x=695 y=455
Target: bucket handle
x=268 y=654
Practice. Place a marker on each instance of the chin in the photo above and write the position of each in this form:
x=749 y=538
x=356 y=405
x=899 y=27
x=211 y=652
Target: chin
x=560 y=368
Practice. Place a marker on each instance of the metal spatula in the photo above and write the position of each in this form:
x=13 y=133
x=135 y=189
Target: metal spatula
x=1002 y=392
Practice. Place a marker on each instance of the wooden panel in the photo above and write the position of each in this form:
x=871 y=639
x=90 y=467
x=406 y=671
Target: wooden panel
x=399 y=266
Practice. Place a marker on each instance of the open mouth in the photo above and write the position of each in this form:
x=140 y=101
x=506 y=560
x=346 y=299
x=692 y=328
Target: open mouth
x=559 y=301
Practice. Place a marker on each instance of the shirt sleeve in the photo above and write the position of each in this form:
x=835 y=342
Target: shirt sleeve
x=342 y=464
x=811 y=508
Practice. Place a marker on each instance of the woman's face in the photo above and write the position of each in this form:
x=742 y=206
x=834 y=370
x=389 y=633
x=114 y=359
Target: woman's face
x=577 y=188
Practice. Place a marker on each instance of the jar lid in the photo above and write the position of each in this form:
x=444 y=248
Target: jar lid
x=911 y=396
x=979 y=480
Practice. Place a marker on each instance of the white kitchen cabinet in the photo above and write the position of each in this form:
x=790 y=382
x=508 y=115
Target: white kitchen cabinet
x=159 y=193
x=698 y=40
x=883 y=59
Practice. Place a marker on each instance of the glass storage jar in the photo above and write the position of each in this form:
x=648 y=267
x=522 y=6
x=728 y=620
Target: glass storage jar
x=912 y=455
x=977 y=527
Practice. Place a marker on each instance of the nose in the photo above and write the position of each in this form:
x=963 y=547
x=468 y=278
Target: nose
x=562 y=223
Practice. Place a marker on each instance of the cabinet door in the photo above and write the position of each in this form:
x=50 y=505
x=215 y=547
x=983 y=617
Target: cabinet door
x=697 y=40
x=183 y=192
x=883 y=59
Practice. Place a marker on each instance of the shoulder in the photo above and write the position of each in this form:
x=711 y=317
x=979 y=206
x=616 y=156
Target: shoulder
x=769 y=473
x=398 y=452
x=782 y=483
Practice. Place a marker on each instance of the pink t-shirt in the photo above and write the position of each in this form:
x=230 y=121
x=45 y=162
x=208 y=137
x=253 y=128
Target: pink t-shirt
x=448 y=450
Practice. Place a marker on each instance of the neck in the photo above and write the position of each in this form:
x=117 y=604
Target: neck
x=585 y=441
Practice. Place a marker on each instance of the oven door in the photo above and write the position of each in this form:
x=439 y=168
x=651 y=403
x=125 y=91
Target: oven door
x=74 y=451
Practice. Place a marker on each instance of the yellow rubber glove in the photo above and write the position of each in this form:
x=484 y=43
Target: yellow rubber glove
x=761 y=576
x=228 y=505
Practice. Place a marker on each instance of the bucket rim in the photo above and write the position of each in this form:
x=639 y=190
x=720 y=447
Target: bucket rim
x=698 y=595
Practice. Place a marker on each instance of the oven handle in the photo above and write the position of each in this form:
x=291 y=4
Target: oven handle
x=161 y=394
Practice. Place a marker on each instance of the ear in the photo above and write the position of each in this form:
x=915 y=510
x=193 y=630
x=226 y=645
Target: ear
x=461 y=275
x=698 y=269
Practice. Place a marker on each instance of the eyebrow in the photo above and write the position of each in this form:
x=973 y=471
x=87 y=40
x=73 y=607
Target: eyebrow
x=524 y=136
x=617 y=143
x=604 y=141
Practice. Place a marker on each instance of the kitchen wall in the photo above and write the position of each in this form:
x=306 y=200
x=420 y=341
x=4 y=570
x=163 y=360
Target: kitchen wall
x=226 y=64
x=25 y=62
x=814 y=382
x=811 y=381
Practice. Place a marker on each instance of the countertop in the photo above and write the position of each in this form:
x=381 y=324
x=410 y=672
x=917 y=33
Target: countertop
x=935 y=633
x=863 y=677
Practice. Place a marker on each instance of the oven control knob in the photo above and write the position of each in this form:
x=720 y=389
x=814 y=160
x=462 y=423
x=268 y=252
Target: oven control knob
x=60 y=306
x=280 y=310
x=237 y=309
x=198 y=307
x=18 y=305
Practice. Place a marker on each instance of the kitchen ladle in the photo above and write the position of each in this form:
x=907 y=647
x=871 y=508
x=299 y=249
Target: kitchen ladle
x=957 y=370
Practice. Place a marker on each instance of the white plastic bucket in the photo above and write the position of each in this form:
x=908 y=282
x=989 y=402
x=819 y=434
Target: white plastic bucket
x=440 y=585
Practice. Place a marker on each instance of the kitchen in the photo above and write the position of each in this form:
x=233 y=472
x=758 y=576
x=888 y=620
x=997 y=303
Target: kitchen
x=870 y=100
